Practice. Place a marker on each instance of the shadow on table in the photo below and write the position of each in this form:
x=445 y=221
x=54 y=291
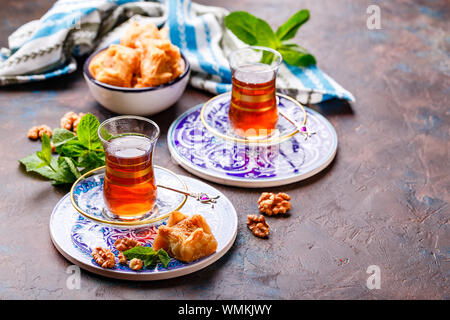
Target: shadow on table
x=333 y=107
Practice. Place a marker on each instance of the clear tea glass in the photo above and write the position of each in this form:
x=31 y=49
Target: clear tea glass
x=253 y=110
x=129 y=188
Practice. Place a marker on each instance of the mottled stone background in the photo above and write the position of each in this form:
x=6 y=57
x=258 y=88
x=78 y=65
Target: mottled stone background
x=383 y=201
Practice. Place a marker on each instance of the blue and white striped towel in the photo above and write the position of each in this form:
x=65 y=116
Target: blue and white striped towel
x=45 y=48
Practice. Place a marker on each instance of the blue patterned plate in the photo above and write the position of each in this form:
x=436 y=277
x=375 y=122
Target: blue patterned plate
x=208 y=156
x=75 y=236
x=87 y=197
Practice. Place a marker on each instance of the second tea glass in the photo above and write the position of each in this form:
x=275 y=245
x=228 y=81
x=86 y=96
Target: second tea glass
x=253 y=110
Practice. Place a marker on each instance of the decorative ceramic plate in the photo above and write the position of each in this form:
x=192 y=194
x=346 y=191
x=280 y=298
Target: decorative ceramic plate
x=75 y=236
x=87 y=197
x=204 y=153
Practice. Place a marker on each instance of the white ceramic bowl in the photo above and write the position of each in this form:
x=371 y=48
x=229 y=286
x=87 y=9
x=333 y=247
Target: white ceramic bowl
x=137 y=101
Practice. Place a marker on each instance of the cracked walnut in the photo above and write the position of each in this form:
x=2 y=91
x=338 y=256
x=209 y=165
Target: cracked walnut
x=104 y=257
x=37 y=132
x=135 y=264
x=258 y=225
x=70 y=120
x=274 y=204
x=124 y=244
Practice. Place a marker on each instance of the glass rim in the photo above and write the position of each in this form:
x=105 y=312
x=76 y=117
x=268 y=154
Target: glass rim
x=273 y=66
x=153 y=123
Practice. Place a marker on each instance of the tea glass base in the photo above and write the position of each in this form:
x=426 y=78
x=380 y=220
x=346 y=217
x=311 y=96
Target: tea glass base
x=272 y=134
x=114 y=217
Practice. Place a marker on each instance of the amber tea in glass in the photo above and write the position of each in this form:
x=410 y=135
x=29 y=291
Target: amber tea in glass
x=129 y=188
x=253 y=109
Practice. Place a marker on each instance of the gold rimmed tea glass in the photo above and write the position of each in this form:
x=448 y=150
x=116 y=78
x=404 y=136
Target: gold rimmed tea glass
x=253 y=110
x=129 y=189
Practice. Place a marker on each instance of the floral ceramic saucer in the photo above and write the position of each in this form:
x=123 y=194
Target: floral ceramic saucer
x=75 y=236
x=87 y=197
x=207 y=154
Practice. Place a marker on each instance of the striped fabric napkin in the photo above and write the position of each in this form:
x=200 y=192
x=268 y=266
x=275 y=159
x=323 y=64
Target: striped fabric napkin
x=46 y=48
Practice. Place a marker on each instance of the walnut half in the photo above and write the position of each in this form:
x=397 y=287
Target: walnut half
x=37 y=132
x=122 y=258
x=273 y=204
x=258 y=225
x=70 y=120
x=104 y=257
x=124 y=244
x=135 y=264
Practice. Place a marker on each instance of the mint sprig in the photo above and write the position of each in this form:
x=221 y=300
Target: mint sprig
x=257 y=32
x=148 y=255
x=77 y=154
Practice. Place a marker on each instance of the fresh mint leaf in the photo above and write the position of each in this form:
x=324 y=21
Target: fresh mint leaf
x=288 y=29
x=150 y=261
x=105 y=134
x=255 y=31
x=251 y=30
x=267 y=57
x=163 y=257
x=90 y=160
x=296 y=56
x=67 y=163
x=148 y=256
x=77 y=154
x=72 y=148
x=64 y=171
x=265 y=36
x=56 y=171
x=46 y=153
x=63 y=176
x=87 y=132
x=33 y=163
x=243 y=25
x=61 y=136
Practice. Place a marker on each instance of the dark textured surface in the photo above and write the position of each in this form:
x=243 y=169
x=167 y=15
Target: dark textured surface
x=383 y=201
